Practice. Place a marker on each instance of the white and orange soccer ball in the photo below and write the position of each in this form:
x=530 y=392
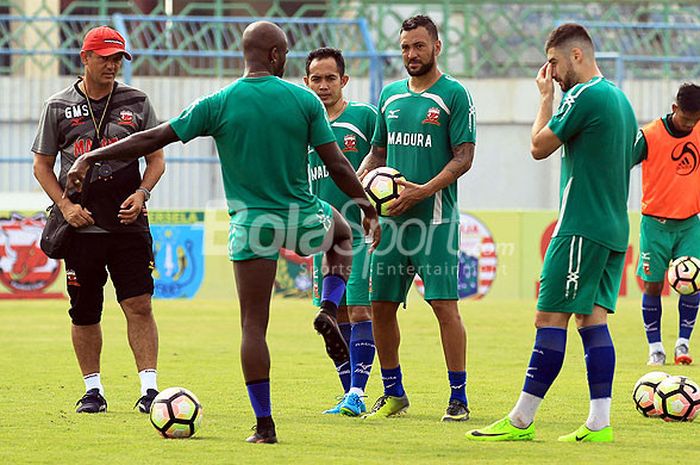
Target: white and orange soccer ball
x=684 y=275
x=381 y=187
x=677 y=398
x=644 y=392
x=176 y=413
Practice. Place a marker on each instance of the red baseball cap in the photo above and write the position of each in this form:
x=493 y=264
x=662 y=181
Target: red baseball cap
x=105 y=41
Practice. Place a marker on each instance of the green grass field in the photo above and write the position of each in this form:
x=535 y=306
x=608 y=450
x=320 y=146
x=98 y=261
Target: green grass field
x=199 y=350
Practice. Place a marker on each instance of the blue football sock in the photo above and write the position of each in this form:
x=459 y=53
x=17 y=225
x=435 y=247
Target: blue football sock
x=458 y=385
x=651 y=313
x=259 y=393
x=392 y=382
x=688 y=313
x=600 y=360
x=333 y=289
x=344 y=369
x=361 y=353
x=346 y=331
x=546 y=360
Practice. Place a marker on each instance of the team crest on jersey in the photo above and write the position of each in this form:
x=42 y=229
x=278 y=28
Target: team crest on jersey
x=350 y=142
x=433 y=116
x=77 y=121
x=126 y=118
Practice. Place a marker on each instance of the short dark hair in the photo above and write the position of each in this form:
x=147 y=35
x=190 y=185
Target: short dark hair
x=688 y=97
x=417 y=21
x=326 y=52
x=566 y=33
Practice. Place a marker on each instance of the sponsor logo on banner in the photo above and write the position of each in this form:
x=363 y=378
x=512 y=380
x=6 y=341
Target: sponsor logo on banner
x=477 y=259
x=293 y=278
x=178 y=259
x=25 y=272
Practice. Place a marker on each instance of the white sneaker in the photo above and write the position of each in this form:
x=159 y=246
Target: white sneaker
x=656 y=359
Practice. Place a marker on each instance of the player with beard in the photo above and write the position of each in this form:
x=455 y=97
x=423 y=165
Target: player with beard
x=585 y=259
x=426 y=129
x=264 y=164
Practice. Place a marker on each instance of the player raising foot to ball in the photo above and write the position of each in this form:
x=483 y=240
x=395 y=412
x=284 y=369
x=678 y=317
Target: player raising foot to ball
x=668 y=148
x=584 y=261
x=426 y=129
x=352 y=124
x=264 y=163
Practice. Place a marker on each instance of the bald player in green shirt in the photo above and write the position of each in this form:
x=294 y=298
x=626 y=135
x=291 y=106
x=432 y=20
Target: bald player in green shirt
x=263 y=154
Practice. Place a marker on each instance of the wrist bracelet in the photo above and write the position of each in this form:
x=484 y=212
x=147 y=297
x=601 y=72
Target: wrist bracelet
x=146 y=193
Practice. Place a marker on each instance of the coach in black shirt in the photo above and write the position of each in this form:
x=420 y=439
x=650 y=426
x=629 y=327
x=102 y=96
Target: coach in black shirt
x=112 y=227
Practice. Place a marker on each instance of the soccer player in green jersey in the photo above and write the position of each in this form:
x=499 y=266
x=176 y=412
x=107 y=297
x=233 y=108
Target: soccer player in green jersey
x=426 y=129
x=583 y=265
x=263 y=154
x=353 y=125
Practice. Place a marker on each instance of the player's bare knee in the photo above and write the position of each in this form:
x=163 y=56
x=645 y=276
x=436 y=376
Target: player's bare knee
x=341 y=230
x=653 y=289
x=446 y=311
x=358 y=314
x=137 y=306
x=551 y=319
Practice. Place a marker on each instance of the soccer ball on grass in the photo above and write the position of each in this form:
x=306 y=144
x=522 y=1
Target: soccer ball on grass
x=176 y=413
x=677 y=398
x=644 y=392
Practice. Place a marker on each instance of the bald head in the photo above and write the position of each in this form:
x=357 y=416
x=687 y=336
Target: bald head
x=264 y=48
x=261 y=36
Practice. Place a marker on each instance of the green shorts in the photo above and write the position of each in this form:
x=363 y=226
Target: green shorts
x=578 y=274
x=431 y=250
x=305 y=238
x=357 y=288
x=661 y=241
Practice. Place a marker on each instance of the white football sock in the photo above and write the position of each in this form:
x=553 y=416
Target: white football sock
x=92 y=381
x=524 y=411
x=356 y=390
x=656 y=347
x=148 y=380
x=599 y=414
x=682 y=340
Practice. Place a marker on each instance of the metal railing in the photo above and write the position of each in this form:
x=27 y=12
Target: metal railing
x=481 y=38
x=200 y=45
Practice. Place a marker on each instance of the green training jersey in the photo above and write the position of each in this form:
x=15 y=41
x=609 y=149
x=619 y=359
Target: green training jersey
x=353 y=132
x=419 y=131
x=262 y=128
x=596 y=123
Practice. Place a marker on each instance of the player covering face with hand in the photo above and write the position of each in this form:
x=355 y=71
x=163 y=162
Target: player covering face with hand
x=257 y=144
x=583 y=265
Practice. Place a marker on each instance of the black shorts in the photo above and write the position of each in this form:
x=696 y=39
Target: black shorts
x=127 y=256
